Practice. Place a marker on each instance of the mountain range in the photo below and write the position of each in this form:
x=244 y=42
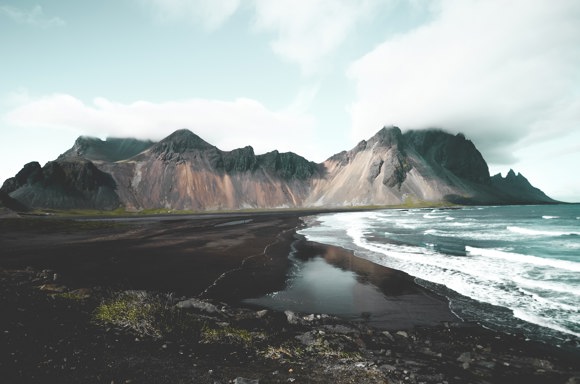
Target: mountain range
x=184 y=172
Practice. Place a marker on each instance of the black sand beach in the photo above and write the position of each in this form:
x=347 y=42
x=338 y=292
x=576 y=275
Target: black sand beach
x=56 y=273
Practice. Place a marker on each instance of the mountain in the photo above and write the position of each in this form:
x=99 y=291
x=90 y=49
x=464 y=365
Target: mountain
x=517 y=189
x=112 y=149
x=184 y=172
x=63 y=184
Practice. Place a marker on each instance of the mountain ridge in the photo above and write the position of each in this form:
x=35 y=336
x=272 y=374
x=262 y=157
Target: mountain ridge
x=185 y=172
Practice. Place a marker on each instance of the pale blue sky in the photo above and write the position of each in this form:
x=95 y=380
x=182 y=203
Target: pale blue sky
x=310 y=76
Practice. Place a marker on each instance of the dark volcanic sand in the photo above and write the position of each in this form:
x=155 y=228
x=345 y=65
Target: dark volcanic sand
x=226 y=258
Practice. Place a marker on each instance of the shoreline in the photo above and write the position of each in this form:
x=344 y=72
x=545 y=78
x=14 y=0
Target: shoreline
x=378 y=296
x=49 y=330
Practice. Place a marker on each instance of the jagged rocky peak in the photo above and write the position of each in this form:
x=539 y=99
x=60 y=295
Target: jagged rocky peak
x=111 y=149
x=288 y=165
x=511 y=178
x=182 y=140
x=512 y=175
x=181 y=143
x=239 y=160
x=518 y=189
x=387 y=137
x=453 y=152
x=76 y=174
x=28 y=173
x=63 y=184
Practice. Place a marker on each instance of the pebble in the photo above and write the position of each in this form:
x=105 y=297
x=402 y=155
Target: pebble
x=241 y=380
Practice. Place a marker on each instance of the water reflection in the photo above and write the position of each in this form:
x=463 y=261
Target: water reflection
x=333 y=281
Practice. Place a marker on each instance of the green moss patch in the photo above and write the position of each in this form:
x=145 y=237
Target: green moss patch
x=147 y=314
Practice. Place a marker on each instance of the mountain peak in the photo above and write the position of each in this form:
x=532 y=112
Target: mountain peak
x=184 y=139
x=387 y=136
x=111 y=149
x=181 y=141
x=512 y=175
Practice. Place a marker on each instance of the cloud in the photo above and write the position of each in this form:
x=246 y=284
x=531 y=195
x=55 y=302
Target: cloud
x=226 y=124
x=505 y=73
x=34 y=17
x=210 y=14
x=307 y=31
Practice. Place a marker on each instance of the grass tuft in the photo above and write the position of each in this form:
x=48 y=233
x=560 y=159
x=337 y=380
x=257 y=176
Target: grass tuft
x=147 y=314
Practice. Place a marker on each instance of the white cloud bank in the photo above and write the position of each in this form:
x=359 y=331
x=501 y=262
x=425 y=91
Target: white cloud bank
x=33 y=17
x=225 y=124
x=308 y=31
x=506 y=73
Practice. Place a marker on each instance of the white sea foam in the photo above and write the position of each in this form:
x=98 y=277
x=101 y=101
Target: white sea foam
x=539 y=320
x=528 y=259
x=548 y=303
x=550 y=217
x=540 y=290
x=548 y=286
x=535 y=232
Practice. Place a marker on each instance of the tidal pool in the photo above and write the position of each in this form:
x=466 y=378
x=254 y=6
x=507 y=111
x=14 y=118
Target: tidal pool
x=331 y=280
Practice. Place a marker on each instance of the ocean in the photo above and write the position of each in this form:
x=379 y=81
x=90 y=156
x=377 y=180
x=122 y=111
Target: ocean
x=510 y=268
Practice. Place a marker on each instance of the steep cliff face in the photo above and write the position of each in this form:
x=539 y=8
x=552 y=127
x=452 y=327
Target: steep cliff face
x=185 y=172
x=454 y=154
x=392 y=167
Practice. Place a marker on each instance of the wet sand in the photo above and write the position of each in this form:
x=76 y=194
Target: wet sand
x=225 y=258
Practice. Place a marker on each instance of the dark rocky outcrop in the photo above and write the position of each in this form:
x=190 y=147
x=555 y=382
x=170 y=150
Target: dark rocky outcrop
x=454 y=153
x=112 y=149
x=517 y=189
x=29 y=174
x=239 y=160
x=288 y=165
x=63 y=184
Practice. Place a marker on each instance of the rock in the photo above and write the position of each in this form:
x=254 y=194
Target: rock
x=388 y=335
x=543 y=364
x=465 y=357
x=339 y=328
x=306 y=338
x=52 y=288
x=80 y=294
x=262 y=313
x=403 y=334
x=200 y=305
x=291 y=317
x=388 y=368
x=241 y=380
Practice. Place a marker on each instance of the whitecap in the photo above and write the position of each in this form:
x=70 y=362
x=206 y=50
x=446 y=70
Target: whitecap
x=535 y=232
x=548 y=286
x=547 y=303
x=550 y=217
x=528 y=259
x=530 y=318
